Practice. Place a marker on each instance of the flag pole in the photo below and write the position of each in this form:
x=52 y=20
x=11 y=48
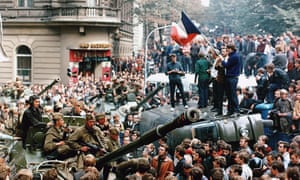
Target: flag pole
x=146 y=51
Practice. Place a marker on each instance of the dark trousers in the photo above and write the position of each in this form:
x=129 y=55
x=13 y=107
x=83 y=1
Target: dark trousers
x=194 y=60
x=219 y=90
x=173 y=84
x=230 y=89
x=203 y=93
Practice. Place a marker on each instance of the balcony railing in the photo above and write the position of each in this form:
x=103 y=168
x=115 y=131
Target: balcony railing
x=63 y=14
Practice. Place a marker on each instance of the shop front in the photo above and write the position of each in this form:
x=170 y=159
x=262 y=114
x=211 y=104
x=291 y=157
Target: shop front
x=91 y=60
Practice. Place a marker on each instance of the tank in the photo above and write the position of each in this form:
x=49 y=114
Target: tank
x=188 y=117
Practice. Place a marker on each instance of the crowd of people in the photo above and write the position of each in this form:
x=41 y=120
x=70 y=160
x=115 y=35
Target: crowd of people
x=220 y=61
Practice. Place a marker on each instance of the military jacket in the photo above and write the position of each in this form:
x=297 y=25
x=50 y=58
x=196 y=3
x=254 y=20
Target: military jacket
x=82 y=136
x=53 y=136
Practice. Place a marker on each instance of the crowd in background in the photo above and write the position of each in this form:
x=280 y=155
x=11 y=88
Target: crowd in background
x=192 y=159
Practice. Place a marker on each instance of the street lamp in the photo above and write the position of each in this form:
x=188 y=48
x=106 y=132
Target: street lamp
x=146 y=49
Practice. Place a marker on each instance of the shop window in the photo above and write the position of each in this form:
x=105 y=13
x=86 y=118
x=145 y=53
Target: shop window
x=24 y=69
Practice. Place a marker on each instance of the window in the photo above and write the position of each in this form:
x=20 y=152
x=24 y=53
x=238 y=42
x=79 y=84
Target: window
x=21 y=3
x=24 y=64
x=25 y=3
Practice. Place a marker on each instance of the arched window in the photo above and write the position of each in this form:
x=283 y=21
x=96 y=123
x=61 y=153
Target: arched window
x=24 y=64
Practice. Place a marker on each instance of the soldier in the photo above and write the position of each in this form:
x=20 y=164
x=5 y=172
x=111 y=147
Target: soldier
x=102 y=123
x=54 y=144
x=88 y=138
x=137 y=91
x=113 y=143
x=120 y=93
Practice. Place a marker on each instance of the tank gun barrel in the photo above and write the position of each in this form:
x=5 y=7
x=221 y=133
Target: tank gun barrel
x=149 y=96
x=188 y=117
x=49 y=86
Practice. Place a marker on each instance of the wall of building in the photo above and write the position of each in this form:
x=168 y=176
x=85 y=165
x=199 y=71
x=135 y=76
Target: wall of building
x=50 y=50
x=45 y=45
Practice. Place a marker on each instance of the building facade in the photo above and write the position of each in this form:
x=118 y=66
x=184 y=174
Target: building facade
x=43 y=38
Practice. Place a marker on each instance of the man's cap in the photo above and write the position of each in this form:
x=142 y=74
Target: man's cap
x=100 y=116
x=89 y=117
x=172 y=54
x=57 y=116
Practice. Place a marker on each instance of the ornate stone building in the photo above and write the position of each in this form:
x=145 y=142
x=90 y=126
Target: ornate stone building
x=43 y=38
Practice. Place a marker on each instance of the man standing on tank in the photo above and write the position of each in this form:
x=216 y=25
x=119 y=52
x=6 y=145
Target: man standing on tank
x=232 y=72
x=175 y=71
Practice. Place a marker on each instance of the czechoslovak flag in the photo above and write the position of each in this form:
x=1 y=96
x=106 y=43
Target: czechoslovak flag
x=185 y=31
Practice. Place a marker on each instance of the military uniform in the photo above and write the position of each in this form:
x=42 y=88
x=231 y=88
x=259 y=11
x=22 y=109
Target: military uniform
x=112 y=145
x=83 y=136
x=120 y=93
x=53 y=136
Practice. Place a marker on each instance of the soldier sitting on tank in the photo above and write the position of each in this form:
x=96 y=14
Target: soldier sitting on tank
x=113 y=143
x=109 y=97
x=88 y=138
x=55 y=146
x=120 y=93
x=137 y=92
x=102 y=123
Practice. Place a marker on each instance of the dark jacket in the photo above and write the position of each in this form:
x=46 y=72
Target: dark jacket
x=280 y=78
x=233 y=65
x=280 y=61
x=31 y=117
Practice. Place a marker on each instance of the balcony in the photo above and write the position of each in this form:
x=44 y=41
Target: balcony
x=62 y=14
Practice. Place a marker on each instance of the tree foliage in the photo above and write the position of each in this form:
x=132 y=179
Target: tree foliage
x=237 y=16
x=256 y=16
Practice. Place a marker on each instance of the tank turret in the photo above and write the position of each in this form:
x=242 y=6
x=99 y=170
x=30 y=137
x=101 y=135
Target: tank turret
x=147 y=98
x=188 y=117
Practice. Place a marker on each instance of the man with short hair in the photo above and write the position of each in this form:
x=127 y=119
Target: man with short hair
x=235 y=171
x=54 y=144
x=242 y=159
x=175 y=71
x=283 y=149
x=88 y=138
x=277 y=168
x=244 y=144
x=233 y=69
x=113 y=143
x=162 y=163
x=102 y=123
x=277 y=79
x=179 y=168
